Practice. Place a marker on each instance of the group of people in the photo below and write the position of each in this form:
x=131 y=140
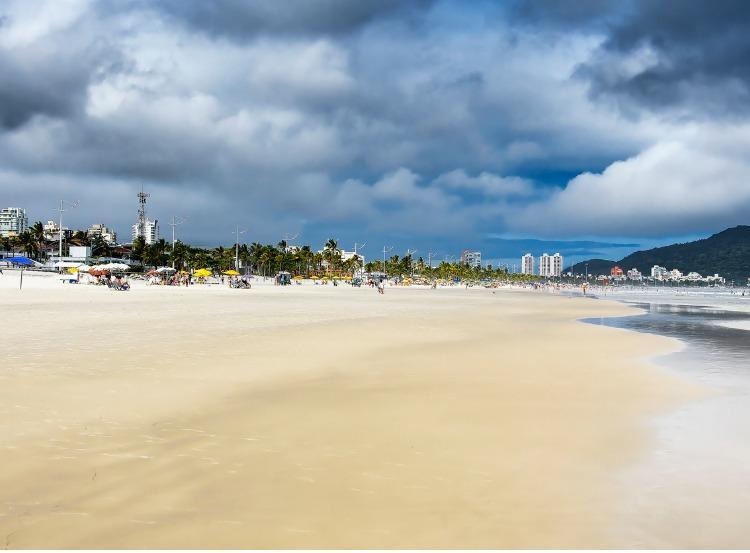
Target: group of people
x=377 y=283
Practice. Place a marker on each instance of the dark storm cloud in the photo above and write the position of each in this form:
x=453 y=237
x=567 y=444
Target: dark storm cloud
x=241 y=19
x=42 y=81
x=52 y=77
x=563 y=13
x=690 y=55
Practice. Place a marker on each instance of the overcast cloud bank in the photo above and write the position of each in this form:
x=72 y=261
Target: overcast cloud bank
x=408 y=122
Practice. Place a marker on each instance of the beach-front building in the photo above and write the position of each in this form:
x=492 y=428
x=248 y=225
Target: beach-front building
x=13 y=221
x=658 y=272
x=150 y=231
x=550 y=265
x=635 y=274
x=527 y=264
x=472 y=258
x=106 y=234
x=616 y=272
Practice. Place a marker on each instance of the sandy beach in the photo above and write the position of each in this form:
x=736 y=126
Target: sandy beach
x=305 y=416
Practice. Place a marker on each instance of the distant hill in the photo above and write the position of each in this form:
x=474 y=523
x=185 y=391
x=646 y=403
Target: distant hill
x=595 y=267
x=726 y=253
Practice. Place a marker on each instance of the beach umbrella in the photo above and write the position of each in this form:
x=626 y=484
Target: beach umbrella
x=20 y=260
x=231 y=272
x=72 y=270
x=202 y=273
x=114 y=267
x=23 y=262
x=166 y=270
x=66 y=264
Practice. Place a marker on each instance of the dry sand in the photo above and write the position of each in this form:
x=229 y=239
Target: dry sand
x=319 y=417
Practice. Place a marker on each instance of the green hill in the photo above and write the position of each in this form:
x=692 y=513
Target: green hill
x=595 y=267
x=726 y=253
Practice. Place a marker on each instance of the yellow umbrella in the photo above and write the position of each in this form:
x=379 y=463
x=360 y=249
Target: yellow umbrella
x=202 y=273
x=72 y=270
x=231 y=272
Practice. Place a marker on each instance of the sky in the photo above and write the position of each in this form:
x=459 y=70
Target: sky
x=592 y=128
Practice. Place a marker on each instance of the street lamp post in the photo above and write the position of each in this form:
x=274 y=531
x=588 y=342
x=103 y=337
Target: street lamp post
x=237 y=233
x=410 y=253
x=386 y=249
x=175 y=222
x=72 y=205
x=356 y=256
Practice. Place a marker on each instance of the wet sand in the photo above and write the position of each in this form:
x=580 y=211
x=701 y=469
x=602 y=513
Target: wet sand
x=320 y=417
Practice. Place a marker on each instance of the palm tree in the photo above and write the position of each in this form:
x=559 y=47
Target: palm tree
x=28 y=243
x=37 y=232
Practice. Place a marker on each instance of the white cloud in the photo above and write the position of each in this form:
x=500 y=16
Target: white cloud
x=698 y=181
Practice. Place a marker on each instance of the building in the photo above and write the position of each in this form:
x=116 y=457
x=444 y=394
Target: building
x=52 y=231
x=151 y=231
x=471 y=258
x=635 y=274
x=106 y=234
x=550 y=265
x=658 y=273
x=616 y=272
x=527 y=264
x=346 y=256
x=13 y=221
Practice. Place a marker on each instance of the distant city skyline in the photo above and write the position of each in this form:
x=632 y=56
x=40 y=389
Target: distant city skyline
x=592 y=129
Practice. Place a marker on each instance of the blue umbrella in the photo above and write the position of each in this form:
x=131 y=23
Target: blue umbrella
x=19 y=260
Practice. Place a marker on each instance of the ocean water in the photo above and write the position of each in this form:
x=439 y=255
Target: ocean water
x=715 y=353
x=693 y=487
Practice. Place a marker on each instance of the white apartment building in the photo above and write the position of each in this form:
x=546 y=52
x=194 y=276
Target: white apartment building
x=658 y=272
x=471 y=258
x=550 y=265
x=52 y=231
x=107 y=234
x=151 y=231
x=13 y=221
x=346 y=256
x=634 y=274
x=527 y=264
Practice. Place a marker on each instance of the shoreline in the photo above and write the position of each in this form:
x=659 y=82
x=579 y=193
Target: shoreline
x=441 y=418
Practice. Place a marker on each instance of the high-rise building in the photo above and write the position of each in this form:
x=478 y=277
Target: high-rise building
x=471 y=258
x=150 y=231
x=13 y=221
x=550 y=265
x=527 y=264
x=106 y=234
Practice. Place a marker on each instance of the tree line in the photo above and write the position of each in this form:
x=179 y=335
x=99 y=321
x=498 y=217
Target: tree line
x=261 y=259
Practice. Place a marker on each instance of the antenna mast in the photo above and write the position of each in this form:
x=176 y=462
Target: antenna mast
x=142 y=212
